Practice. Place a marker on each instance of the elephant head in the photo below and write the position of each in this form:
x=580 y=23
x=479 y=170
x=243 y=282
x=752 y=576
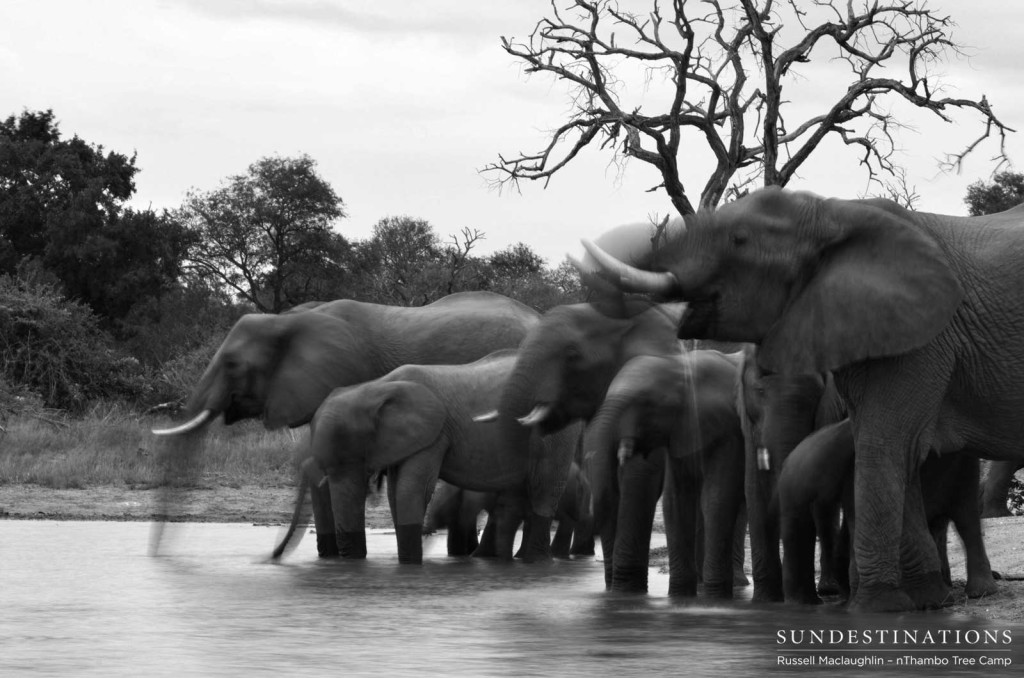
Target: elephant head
x=277 y=368
x=568 y=360
x=818 y=284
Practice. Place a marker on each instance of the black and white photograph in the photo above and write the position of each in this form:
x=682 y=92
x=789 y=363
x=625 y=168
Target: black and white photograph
x=536 y=338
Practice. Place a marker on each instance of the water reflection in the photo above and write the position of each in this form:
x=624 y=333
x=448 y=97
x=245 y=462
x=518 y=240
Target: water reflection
x=86 y=599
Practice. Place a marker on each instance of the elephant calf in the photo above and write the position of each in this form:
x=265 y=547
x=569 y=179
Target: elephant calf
x=820 y=471
x=416 y=422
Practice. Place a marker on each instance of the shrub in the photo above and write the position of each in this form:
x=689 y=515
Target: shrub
x=55 y=348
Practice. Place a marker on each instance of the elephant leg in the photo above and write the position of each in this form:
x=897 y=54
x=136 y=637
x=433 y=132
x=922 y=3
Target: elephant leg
x=826 y=524
x=765 y=561
x=562 y=541
x=641 y=480
x=721 y=497
x=680 y=507
x=486 y=547
x=919 y=555
x=966 y=516
x=348 y=504
x=739 y=551
x=893 y=400
x=414 y=481
x=323 y=520
x=798 y=538
x=582 y=538
x=509 y=513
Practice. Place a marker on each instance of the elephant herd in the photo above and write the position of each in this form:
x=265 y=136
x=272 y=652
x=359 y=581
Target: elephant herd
x=874 y=355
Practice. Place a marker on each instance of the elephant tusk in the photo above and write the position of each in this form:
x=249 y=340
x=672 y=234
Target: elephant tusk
x=763 y=459
x=323 y=481
x=626 y=447
x=629 y=278
x=539 y=414
x=486 y=417
x=190 y=425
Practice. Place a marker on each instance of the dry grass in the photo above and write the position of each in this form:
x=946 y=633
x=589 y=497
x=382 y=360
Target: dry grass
x=112 y=446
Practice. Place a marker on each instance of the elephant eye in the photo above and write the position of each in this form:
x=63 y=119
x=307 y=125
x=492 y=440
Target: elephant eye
x=739 y=238
x=573 y=354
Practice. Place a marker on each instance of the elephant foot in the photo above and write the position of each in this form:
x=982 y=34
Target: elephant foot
x=828 y=586
x=582 y=547
x=803 y=598
x=629 y=579
x=881 y=600
x=929 y=592
x=721 y=590
x=981 y=587
x=682 y=587
x=352 y=544
x=410 y=544
x=538 y=548
x=327 y=545
x=767 y=592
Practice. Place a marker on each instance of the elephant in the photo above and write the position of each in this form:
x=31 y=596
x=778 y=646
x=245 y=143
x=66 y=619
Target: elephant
x=683 y=409
x=820 y=471
x=416 y=423
x=777 y=412
x=566 y=364
x=916 y=315
x=280 y=368
x=997 y=477
x=458 y=511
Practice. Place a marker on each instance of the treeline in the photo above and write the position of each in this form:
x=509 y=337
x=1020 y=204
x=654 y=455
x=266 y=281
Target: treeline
x=103 y=302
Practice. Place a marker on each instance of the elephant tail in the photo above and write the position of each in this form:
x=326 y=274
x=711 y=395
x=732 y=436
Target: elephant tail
x=300 y=516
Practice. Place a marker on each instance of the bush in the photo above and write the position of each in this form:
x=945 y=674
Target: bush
x=55 y=348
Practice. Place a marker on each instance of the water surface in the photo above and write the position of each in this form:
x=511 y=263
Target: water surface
x=86 y=598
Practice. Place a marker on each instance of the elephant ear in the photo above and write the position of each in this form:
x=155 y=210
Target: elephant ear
x=881 y=288
x=410 y=417
x=316 y=353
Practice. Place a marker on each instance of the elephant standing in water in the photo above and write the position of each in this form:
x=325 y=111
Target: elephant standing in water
x=565 y=367
x=416 y=423
x=918 y=317
x=820 y=471
x=778 y=412
x=683 y=409
x=280 y=368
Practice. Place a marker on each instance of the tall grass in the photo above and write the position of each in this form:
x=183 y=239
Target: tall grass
x=113 y=446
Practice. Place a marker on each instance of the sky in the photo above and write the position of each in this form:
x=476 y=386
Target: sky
x=402 y=103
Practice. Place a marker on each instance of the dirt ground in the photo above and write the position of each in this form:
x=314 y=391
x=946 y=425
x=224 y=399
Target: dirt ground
x=1004 y=537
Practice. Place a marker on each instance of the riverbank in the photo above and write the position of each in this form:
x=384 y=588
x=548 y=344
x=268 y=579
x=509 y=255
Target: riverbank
x=1004 y=537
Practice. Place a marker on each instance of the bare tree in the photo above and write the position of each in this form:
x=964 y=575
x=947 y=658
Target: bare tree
x=724 y=66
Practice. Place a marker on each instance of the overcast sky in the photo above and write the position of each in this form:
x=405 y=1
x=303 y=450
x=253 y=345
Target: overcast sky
x=401 y=103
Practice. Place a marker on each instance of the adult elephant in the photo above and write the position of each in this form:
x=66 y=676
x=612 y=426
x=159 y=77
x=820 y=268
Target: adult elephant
x=917 y=316
x=565 y=366
x=820 y=472
x=682 y=408
x=416 y=423
x=777 y=412
x=280 y=368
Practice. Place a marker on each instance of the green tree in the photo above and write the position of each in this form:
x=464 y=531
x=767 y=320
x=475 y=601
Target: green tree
x=1005 y=191
x=255 y=232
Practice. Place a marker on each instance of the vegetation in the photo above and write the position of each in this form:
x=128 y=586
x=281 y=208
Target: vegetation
x=111 y=445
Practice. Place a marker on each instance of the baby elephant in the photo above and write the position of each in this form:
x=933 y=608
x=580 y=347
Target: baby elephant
x=416 y=423
x=820 y=472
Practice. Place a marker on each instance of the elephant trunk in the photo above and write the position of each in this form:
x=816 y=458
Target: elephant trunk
x=300 y=516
